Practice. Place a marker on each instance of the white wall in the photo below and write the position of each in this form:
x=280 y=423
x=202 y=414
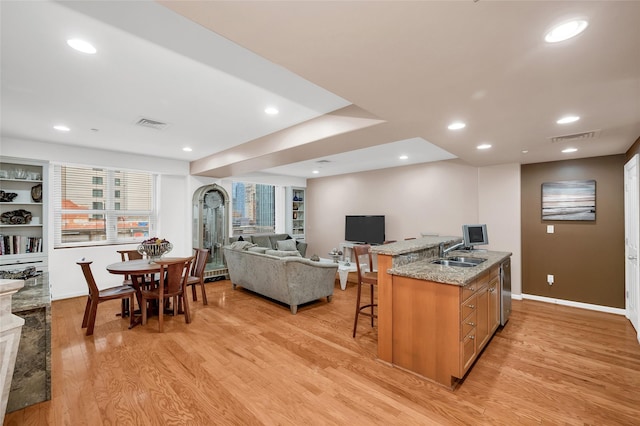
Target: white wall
x=499 y=208
x=433 y=197
x=174 y=221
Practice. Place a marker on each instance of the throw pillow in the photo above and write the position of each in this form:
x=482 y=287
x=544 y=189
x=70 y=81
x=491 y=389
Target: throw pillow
x=241 y=245
x=261 y=250
x=240 y=238
x=281 y=253
x=287 y=245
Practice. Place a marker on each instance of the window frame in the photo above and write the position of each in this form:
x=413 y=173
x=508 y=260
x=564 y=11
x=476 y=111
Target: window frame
x=255 y=228
x=111 y=215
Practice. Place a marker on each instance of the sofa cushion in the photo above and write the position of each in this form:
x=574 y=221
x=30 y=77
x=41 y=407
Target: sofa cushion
x=258 y=249
x=277 y=237
x=282 y=253
x=262 y=241
x=286 y=245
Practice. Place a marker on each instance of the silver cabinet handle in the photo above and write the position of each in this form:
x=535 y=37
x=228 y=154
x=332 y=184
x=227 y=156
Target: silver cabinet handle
x=471 y=324
x=472 y=337
x=471 y=306
x=632 y=257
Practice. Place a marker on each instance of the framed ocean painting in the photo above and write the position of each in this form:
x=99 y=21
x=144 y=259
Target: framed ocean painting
x=569 y=200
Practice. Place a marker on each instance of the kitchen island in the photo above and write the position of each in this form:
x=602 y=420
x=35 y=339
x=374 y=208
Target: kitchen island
x=434 y=320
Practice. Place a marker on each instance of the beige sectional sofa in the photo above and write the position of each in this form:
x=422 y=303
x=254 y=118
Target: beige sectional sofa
x=283 y=276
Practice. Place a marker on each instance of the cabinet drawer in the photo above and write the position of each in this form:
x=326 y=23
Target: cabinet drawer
x=469 y=323
x=468 y=306
x=468 y=351
x=469 y=290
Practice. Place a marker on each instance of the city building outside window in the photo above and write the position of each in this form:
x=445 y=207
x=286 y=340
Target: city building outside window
x=85 y=213
x=253 y=208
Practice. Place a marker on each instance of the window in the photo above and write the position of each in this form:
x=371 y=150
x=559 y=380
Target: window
x=84 y=215
x=253 y=208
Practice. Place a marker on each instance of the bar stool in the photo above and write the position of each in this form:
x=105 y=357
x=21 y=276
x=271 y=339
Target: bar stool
x=367 y=278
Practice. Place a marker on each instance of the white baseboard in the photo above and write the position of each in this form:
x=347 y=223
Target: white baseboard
x=67 y=295
x=573 y=304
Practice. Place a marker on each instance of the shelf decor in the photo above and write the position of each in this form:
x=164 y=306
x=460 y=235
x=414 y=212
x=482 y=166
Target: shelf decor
x=16 y=217
x=7 y=197
x=36 y=193
x=569 y=200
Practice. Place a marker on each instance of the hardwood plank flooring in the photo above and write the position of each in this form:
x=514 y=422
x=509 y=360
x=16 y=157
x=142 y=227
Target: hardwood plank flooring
x=245 y=360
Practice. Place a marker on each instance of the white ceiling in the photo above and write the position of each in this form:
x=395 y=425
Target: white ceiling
x=356 y=83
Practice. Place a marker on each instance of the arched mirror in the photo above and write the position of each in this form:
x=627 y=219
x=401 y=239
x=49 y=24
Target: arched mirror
x=211 y=226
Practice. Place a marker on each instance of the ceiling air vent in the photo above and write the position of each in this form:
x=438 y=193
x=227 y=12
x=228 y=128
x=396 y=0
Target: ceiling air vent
x=146 y=122
x=576 y=137
x=323 y=161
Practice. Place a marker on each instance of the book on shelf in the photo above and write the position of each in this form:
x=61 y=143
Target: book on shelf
x=19 y=244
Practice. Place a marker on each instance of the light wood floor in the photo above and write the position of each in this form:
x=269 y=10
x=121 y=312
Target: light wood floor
x=247 y=361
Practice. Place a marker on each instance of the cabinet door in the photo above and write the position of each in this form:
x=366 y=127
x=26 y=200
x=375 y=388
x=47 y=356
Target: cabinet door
x=494 y=304
x=482 y=334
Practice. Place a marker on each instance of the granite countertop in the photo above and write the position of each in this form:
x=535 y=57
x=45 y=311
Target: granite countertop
x=409 y=246
x=425 y=270
x=35 y=294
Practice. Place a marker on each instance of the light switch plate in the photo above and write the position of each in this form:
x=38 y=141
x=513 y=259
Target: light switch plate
x=550 y=229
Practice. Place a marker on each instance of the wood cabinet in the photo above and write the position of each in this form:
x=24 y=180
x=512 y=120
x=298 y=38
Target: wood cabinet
x=440 y=329
x=25 y=189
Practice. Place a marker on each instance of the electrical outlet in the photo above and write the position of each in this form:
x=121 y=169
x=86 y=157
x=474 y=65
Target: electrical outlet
x=550 y=279
x=550 y=229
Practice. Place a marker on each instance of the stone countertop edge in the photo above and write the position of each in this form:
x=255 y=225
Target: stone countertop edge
x=35 y=294
x=409 y=246
x=425 y=270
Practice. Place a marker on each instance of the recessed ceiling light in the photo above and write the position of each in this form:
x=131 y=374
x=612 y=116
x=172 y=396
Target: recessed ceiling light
x=484 y=146
x=404 y=157
x=271 y=110
x=457 y=125
x=61 y=128
x=568 y=150
x=187 y=149
x=566 y=30
x=315 y=172
x=82 y=46
x=524 y=151
x=568 y=119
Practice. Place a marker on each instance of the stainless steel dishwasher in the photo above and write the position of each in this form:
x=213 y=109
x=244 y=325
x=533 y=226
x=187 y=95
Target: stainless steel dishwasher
x=505 y=291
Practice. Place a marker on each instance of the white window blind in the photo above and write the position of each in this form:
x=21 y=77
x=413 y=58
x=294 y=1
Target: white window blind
x=95 y=206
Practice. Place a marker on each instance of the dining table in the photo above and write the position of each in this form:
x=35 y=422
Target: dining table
x=141 y=272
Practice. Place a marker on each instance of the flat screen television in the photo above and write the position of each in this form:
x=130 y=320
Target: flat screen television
x=364 y=229
x=474 y=235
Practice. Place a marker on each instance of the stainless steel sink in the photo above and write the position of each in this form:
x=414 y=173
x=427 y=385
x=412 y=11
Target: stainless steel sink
x=447 y=262
x=466 y=259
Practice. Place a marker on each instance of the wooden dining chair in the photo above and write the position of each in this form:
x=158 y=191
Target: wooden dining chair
x=97 y=296
x=126 y=255
x=196 y=275
x=366 y=276
x=171 y=285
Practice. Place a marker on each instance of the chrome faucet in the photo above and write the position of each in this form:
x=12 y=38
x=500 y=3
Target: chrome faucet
x=444 y=251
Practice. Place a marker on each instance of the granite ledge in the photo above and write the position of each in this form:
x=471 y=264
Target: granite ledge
x=410 y=246
x=425 y=270
x=35 y=294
